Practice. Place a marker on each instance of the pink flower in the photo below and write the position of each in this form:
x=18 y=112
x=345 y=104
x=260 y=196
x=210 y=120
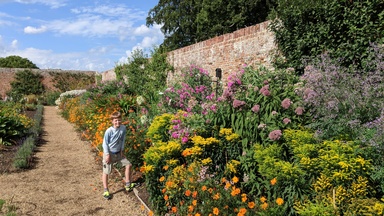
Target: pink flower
x=265 y=90
x=286 y=120
x=274 y=113
x=275 y=135
x=184 y=139
x=175 y=135
x=238 y=103
x=256 y=108
x=286 y=103
x=299 y=110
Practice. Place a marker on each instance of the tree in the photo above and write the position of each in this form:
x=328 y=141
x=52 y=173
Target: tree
x=343 y=29
x=185 y=22
x=25 y=83
x=16 y=62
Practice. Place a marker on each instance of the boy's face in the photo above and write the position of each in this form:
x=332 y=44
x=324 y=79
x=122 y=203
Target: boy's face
x=116 y=122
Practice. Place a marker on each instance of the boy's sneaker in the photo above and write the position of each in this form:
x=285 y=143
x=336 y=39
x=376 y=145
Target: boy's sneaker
x=106 y=195
x=130 y=187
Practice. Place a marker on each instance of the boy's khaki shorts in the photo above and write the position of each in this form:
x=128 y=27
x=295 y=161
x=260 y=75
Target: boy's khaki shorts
x=115 y=158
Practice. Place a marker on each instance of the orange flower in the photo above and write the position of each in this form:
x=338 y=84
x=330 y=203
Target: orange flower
x=204 y=188
x=150 y=213
x=242 y=212
x=263 y=199
x=251 y=205
x=164 y=190
x=162 y=178
x=279 y=201
x=194 y=194
x=165 y=167
x=190 y=208
x=264 y=206
x=174 y=209
x=187 y=193
x=216 y=196
x=197 y=214
x=243 y=197
x=215 y=211
x=273 y=181
x=235 y=191
x=235 y=179
x=166 y=197
x=223 y=180
x=210 y=190
x=194 y=202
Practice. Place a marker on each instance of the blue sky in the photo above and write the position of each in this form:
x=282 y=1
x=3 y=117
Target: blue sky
x=76 y=34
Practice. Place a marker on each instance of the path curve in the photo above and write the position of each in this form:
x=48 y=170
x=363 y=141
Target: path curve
x=66 y=179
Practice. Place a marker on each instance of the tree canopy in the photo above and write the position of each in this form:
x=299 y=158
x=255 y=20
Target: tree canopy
x=342 y=28
x=16 y=62
x=185 y=22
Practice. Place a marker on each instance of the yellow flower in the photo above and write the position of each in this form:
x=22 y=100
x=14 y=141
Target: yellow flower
x=273 y=181
x=279 y=201
x=263 y=199
x=206 y=161
x=243 y=197
x=215 y=211
x=162 y=178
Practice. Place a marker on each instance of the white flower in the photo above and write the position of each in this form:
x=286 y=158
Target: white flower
x=143 y=119
x=140 y=100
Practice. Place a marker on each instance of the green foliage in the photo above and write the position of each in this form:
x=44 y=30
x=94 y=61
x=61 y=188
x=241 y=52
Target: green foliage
x=66 y=81
x=343 y=29
x=188 y=22
x=13 y=124
x=144 y=76
x=49 y=98
x=26 y=82
x=10 y=208
x=16 y=62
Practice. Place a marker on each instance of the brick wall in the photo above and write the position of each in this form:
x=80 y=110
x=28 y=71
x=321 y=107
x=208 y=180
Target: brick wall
x=251 y=46
x=7 y=76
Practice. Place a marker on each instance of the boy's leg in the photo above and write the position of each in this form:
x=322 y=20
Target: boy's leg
x=106 y=171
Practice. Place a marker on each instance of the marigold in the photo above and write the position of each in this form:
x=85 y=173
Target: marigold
x=263 y=199
x=166 y=197
x=174 y=209
x=197 y=214
x=216 y=196
x=187 y=193
x=162 y=178
x=204 y=188
x=194 y=202
x=273 y=181
x=264 y=206
x=251 y=205
x=279 y=201
x=194 y=194
x=215 y=211
x=235 y=179
x=235 y=191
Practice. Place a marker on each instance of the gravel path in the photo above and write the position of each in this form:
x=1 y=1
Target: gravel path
x=66 y=180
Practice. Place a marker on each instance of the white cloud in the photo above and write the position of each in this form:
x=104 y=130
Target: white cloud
x=51 y=3
x=142 y=30
x=33 y=30
x=14 y=44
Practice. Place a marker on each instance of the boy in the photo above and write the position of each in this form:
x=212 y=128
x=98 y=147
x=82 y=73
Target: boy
x=113 y=151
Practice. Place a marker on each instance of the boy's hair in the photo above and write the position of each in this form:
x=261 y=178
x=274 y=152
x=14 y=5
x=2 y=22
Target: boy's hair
x=115 y=115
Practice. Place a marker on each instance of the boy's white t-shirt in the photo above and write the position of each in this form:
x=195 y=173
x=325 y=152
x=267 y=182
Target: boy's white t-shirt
x=114 y=139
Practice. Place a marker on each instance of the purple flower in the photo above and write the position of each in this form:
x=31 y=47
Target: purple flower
x=275 y=135
x=299 y=110
x=286 y=120
x=256 y=108
x=265 y=90
x=238 y=103
x=286 y=103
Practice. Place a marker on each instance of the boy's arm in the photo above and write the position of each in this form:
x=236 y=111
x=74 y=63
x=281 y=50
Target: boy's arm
x=123 y=143
x=105 y=143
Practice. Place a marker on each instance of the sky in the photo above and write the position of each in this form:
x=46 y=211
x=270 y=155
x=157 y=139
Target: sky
x=91 y=35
